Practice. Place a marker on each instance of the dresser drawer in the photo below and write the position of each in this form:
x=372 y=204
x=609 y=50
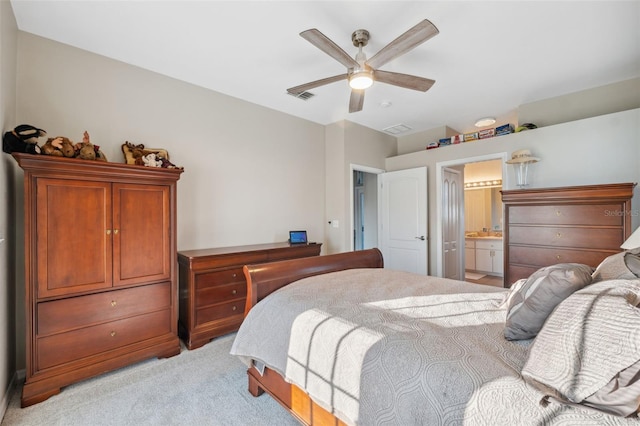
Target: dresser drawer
x=594 y=238
x=212 y=279
x=220 y=293
x=588 y=214
x=542 y=256
x=73 y=345
x=470 y=244
x=76 y=312
x=220 y=311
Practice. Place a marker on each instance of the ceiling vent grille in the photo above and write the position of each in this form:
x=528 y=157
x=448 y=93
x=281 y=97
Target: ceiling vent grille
x=305 y=96
x=397 y=129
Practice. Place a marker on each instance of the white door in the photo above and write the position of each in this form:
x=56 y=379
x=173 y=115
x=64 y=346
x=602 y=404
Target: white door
x=451 y=223
x=403 y=219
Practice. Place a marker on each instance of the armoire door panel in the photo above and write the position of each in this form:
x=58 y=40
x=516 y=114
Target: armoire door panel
x=141 y=236
x=72 y=228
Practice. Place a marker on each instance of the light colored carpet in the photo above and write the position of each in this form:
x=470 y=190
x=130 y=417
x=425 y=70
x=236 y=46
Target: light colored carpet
x=205 y=386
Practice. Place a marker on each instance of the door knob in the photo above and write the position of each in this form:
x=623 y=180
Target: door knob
x=421 y=237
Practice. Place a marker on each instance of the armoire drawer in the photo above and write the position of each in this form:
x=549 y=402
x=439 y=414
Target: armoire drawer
x=213 y=279
x=599 y=238
x=62 y=315
x=220 y=311
x=543 y=256
x=587 y=214
x=220 y=293
x=73 y=345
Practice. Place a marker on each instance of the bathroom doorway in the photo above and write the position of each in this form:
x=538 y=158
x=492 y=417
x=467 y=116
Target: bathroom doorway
x=466 y=165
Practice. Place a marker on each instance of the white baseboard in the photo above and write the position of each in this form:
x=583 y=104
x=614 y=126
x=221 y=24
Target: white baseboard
x=18 y=377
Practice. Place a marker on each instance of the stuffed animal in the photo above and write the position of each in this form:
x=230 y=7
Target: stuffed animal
x=150 y=160
x=23 y=138
x=59 y=146
x=88 y=151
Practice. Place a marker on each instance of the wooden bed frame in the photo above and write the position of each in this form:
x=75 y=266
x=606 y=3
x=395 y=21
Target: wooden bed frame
x=264 y=279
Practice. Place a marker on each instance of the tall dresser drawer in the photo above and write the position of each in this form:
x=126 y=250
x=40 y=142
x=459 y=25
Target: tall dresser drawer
x=589 y=214
x=62 y=315
x=66 y=347
x=603 y=238
x=539 y=256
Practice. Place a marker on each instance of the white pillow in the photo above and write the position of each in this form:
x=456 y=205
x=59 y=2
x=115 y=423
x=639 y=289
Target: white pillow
x=589 y=341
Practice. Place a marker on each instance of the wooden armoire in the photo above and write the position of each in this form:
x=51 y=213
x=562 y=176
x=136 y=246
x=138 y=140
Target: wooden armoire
x=100 y=269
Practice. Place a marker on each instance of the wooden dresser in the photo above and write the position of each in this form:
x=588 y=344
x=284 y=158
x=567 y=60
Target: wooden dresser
x=577 y=224
x=100 y=269
x=213 y=289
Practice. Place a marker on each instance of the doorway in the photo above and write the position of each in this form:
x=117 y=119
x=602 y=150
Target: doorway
x=364 y=207
x=460 y=208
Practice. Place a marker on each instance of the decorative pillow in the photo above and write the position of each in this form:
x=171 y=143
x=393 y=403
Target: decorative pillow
x=618 y=267
x=530 y=304
x=588 y=351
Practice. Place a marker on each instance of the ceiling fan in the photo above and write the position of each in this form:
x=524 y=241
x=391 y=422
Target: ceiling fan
x=361 y=73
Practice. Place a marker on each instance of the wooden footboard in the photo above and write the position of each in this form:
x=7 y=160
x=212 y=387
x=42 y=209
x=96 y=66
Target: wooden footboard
x=291 y=397
x=265 y=278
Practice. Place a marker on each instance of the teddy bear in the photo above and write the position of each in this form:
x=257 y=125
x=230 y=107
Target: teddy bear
x=150 y=160
x=59 y=146
x=23 y=138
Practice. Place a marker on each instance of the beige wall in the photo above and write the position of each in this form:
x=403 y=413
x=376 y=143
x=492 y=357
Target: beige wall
x=8 y=58
x=251 y=173
x=349 y=144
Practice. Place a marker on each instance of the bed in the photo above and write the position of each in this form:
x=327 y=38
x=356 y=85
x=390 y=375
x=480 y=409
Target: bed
x=338 y=340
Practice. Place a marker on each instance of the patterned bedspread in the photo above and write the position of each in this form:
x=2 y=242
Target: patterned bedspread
x=376 y=347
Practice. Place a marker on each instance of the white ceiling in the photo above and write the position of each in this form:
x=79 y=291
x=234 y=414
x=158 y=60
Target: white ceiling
x=489 y=58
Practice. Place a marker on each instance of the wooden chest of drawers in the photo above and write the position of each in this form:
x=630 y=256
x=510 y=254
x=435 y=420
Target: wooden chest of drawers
x=579 y=224
x=213 y=289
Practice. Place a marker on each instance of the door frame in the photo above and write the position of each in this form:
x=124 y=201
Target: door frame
x=440 y=166
x=357 y=168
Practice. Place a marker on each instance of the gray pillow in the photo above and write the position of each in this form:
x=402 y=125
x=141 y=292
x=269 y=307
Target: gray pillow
x=588 y=351
x=530 y=303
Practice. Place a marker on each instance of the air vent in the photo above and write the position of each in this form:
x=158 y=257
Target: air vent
x=305 y=96
x=397 y=129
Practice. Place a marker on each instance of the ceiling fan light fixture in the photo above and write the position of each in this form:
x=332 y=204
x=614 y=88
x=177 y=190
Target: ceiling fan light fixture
x=486 y=121
x=361 y=80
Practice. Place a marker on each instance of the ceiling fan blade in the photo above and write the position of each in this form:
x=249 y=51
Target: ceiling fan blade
x=413 y=37
x=304 y=87
x=323 y=43
x=403 y=80
x=356 y=101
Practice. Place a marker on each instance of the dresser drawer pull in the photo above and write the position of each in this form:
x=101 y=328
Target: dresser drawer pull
x=559 y=235
x=558 y=257
x=234 y=291
x=235 y=275
x=114 y=303
x=108 y=231
x=234 y=308
x=115 y=231
x=113 y=334
x=558 y=213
